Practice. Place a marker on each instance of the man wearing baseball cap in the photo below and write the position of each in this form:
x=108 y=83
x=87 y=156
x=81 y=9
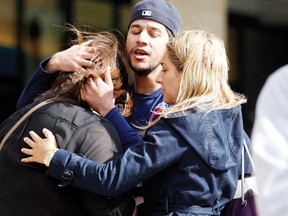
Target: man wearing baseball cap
x=151 y=24
x=160 y=11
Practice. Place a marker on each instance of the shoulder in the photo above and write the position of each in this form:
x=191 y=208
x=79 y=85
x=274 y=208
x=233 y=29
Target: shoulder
x=73 y=114
x=68 y=116
x=278 y=79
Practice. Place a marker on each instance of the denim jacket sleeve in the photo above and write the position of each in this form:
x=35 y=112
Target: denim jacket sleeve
x=139 y=163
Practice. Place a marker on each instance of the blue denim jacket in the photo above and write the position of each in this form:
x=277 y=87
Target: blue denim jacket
x=188 y=164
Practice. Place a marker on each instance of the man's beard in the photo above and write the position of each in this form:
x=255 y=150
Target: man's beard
x=143 y=71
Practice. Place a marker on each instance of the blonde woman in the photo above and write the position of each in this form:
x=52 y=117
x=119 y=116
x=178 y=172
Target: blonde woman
x=189 y=158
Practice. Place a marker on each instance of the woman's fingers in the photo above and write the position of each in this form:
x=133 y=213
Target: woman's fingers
x=39 y=147
x=28 y=159
x=89 y=88
x=29 y=142
x=34 y=136
x=49 y=135
x=27 y=151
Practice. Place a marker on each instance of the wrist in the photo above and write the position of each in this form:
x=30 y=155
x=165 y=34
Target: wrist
x=49 y=155
x=106 y=110
x=51 y=66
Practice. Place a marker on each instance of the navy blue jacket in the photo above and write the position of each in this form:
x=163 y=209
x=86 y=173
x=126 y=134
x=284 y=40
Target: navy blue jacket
x=188 y=164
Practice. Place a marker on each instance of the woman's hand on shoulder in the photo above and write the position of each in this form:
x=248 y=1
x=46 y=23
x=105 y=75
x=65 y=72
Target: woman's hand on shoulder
x=42 y=150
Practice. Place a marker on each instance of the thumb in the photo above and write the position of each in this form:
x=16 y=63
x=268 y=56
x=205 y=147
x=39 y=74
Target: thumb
x=49 y=135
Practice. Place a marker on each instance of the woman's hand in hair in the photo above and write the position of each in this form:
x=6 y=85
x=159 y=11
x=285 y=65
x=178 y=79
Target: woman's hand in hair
x=99 y=93
x=72 y=59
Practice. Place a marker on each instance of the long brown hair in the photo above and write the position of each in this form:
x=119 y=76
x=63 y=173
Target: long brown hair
x=107 y=51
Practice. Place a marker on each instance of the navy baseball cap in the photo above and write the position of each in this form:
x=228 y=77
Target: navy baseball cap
x=158 y=10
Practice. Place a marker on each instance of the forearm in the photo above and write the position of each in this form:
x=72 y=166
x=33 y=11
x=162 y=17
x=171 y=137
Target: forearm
x=39 y=82
x=80 y=172
x=127 y=134
x=139 y=163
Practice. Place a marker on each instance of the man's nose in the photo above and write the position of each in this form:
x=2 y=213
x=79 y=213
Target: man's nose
x=143 y=37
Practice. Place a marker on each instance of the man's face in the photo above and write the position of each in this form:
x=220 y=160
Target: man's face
x=146 y=45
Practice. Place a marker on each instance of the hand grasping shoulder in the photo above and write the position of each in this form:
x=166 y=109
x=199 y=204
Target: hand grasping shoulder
x=42 y=150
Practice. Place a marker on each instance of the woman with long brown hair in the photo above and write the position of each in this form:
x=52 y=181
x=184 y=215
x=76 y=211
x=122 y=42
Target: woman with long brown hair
x=25 y=189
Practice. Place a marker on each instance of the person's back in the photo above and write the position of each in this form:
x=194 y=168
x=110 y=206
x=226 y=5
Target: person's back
x=28 y=191
x=193 y=180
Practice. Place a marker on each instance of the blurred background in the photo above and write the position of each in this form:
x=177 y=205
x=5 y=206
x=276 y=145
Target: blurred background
x=255 y=33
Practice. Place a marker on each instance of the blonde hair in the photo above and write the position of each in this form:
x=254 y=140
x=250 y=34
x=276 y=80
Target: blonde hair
x=107 y=51
x=201 y=58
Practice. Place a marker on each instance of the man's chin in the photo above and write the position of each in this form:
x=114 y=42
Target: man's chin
x=141 y=70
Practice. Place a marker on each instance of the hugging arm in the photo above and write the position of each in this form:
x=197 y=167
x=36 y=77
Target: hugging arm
x=99 y=95
x=69 y=60
x=127 y=134
x=139 y=162
x=38 y=83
